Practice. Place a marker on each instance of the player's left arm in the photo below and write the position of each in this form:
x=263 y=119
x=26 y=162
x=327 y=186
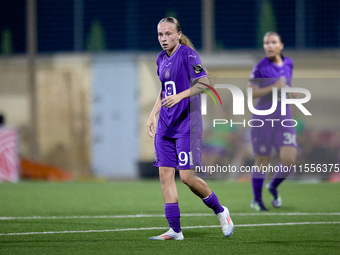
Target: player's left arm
x=172 y=100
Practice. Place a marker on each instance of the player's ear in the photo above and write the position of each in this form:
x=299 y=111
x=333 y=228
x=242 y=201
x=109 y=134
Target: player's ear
x=179 y=35
x=282 y=46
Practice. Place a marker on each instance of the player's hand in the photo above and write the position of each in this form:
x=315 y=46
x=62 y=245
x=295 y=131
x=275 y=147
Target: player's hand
x=151 y=125
x=170 y=101
x=280 y=84
x=295 y=95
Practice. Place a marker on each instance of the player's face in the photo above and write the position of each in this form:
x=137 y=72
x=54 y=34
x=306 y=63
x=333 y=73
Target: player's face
x=168 y=36
x=272 y=46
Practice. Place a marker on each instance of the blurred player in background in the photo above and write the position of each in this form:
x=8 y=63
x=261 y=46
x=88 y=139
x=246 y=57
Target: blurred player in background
x=178 y=138
x=273 y=71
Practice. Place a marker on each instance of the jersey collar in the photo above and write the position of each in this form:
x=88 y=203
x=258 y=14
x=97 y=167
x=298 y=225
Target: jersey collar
x=179 y=46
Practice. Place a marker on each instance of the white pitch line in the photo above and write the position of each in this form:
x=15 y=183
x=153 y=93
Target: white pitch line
x=162 y=215
x=155 y=228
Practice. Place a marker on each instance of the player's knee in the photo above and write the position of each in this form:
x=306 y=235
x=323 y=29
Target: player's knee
x=288 y=160
x=186 y=180
x=165 y=176
x=261 y=160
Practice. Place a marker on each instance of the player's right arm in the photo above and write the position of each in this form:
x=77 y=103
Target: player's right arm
x=152 y=122
x=256 y=78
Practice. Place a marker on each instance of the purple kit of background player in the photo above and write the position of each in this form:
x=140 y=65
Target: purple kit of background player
x=274 y=71
x=178 y=136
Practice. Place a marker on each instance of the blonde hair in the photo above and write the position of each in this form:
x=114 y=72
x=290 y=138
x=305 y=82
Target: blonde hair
x=184 y=39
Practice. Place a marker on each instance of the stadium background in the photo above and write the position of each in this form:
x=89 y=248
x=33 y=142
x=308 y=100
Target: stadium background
x=96 y=76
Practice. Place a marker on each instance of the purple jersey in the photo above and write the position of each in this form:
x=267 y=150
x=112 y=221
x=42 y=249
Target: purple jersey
x=272 y=134
x=176 y=73
x=265 y=74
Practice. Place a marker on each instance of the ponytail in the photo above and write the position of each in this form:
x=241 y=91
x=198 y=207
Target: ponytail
x=186 y=41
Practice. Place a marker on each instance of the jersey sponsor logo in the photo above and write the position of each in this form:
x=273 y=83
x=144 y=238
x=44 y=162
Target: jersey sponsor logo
x=198 y=68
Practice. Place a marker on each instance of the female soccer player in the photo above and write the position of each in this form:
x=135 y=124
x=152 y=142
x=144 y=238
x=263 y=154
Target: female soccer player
x=178 y=137
x=273 y=71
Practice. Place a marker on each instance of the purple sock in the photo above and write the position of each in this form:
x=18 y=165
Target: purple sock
x=172 y=214
x=280 y=176
x=212 y=202
x=257 y=180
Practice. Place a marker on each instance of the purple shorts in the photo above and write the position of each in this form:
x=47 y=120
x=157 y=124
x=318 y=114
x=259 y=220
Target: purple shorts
x=180 y=153
x=267 y=137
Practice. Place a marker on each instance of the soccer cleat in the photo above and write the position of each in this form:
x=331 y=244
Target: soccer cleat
x=227 y=224
x=258 y=206
x=169 y=235
x=277 y=201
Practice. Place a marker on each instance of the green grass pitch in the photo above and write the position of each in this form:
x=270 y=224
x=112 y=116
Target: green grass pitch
x=120 y=217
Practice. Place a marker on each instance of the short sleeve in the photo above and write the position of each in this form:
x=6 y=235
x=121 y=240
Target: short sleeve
x=196 y=69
